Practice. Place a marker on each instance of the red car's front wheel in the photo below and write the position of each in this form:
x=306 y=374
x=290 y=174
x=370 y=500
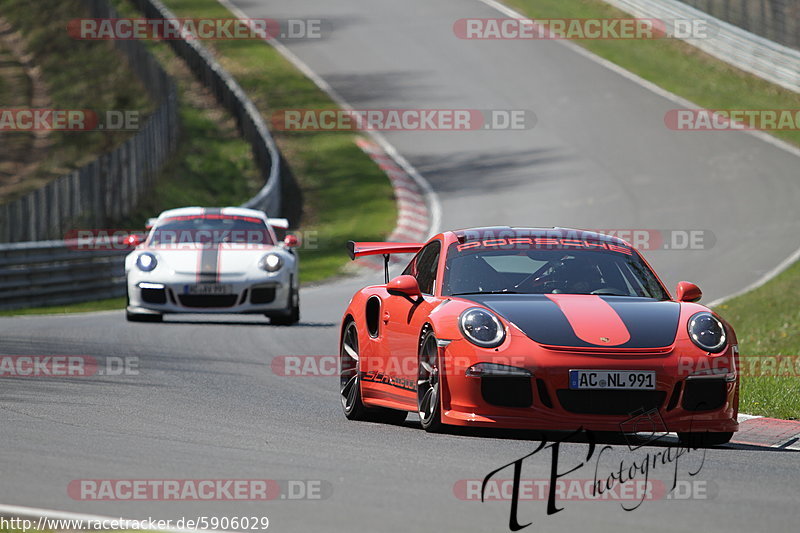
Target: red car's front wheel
x=350 y=384
x=428 y=383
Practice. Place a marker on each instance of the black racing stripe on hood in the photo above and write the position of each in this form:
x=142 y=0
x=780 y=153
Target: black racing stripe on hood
x=538 y=316
x=651 y=323
x=208 y=267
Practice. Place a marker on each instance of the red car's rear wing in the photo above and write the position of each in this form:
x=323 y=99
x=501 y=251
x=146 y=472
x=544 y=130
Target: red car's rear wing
x=360 y=249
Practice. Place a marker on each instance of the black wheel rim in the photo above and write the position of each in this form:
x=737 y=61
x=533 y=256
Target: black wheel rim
x=428 y=380
x=349 y=368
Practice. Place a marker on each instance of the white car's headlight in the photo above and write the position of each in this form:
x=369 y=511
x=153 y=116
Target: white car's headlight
x=271 y=263
x=482 y=327
x=146 y=262
x=707 y=332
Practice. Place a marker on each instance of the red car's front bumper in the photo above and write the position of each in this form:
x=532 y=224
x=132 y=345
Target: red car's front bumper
x=681 y=402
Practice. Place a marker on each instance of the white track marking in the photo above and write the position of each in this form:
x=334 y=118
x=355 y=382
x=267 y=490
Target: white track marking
x=774 y=141
x=743 y=417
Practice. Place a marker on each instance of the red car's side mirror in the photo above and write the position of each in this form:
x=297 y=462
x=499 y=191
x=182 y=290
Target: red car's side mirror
x=291 y=241
x=132 y=240
x=688 y=292
x=405 y=285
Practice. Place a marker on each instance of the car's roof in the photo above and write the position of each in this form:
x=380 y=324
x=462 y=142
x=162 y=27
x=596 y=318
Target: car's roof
x=491 y=232
x=200 y=211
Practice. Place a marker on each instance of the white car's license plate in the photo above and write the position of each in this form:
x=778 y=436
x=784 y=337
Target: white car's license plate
x=612 y=379
x=208 y=289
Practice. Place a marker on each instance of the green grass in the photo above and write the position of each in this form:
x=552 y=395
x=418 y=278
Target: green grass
x=78 y=75
x=672 y=64
x=767 y=319
x=767 y=322
x=214 y=166
x=345 y=195
x=111 y=304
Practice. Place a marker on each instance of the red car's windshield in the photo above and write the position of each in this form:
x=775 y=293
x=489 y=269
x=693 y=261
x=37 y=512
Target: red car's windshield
x=211 y=229
x=528 y=268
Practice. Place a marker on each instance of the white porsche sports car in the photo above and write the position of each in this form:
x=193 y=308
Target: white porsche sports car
x=213 y=260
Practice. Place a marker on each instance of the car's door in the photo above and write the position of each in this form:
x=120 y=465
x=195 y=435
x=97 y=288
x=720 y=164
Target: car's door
x=403 y=319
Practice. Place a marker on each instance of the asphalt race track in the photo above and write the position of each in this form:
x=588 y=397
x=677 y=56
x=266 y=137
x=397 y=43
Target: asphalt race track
x=206 y=404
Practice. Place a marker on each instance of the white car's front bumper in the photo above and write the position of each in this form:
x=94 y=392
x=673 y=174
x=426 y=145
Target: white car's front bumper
x=270 y=295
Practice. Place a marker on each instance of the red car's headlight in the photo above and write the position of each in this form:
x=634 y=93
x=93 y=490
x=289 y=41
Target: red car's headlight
x=482 y=327
x=707 y=332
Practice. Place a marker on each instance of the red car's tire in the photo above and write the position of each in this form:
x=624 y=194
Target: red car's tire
x=705 y=439
x=350 y=384
x=428 y=383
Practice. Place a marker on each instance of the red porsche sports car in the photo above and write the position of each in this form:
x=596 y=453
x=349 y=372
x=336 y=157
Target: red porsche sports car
x=536 y=328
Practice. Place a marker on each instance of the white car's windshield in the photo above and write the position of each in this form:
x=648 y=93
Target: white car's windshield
x=212 y=229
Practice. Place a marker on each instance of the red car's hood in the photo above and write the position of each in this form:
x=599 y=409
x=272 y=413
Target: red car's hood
x=588 y=321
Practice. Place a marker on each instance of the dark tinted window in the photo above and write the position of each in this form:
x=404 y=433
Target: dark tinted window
x=424 y=266
x=531 y=269
x=211 y=229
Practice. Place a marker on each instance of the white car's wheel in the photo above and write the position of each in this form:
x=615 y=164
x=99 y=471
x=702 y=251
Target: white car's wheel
x=291 y=315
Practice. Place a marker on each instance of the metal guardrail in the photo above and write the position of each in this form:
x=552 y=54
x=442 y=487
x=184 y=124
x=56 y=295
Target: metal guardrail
x=747 y=51
x=109 y=187
x=231 y=96
x=776 y=20
x=59 y=272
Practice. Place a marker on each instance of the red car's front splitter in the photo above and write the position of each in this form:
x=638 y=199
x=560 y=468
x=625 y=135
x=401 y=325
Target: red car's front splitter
x=479 y=413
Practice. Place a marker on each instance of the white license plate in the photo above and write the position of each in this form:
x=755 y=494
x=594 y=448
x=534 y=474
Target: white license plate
x=208 y=289
x=612 y=379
